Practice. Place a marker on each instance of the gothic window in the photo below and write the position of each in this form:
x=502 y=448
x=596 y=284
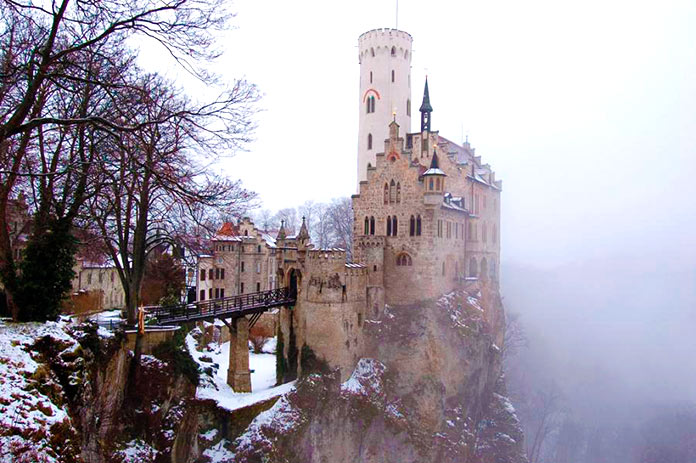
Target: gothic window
x=372 y=104
x=412 y=226
x=392 y=191
x=408 y=107
x=393 y=51
x=404 y=260
x=389 y=225
x=418 y=225
x=369 y=141
x=372 y=225
x=395 y=226
x=398 y=192
x=392 y=75
x=367 y=226
x=484 y=268
x=473 y=267
x=430 y=185
x=386 y=193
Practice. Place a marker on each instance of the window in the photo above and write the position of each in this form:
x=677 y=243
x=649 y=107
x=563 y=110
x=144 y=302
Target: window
x=392 y=75
x=395 y=226
x=372 y=52
x=418 y=225
x=386 y=193
x=439 y=228
x=241 y=288
x=210 y=293
x=369 y=141
x=217 y=293
x=210 y=273
x=408 y=107
x=456 y=231
x=258 y=287
x=372 y=225
x=370 y=76
x=412 y=226
x=367 y=226
x=89 y=278
x=258 y=267
x=222 y=293
x=437 y=184
x=430 y=185
x=393 y=51
x=392 y=192
x=403 y=260
x=484 y=233
x=476 y=204
x=217 y=273
x=389 y=224
x=469 y=232
x=258 y=248
x=370 y=104
x=222 y=273
x=473 y=267
x=242 y=269
x=202 y=297
x=398 y=192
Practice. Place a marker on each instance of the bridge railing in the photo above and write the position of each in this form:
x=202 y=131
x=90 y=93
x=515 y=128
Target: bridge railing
x=222 y=306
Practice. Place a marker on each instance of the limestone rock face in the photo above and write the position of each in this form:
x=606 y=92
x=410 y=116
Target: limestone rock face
x=430 y=388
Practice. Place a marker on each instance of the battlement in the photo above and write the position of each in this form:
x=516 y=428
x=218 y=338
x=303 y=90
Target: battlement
x=327 y=254
x=384 y=32
x=385 y=42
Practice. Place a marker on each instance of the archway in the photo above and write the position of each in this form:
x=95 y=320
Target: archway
x=294 y=281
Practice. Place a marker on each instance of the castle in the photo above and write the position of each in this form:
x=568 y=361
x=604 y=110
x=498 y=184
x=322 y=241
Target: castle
x=426 y=221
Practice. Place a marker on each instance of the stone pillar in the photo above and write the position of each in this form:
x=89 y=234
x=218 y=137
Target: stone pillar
x=238 y=375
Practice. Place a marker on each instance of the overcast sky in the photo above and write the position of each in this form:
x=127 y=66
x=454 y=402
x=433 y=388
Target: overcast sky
x=584 y=109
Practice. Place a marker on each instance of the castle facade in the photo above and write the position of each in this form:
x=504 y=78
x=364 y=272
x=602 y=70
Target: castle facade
x=426 y=222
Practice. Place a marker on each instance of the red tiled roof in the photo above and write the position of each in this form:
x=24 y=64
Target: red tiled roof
x=228 y=229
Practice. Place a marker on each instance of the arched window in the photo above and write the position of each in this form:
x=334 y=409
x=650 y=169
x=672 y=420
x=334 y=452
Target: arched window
x=372 y=99
x=404 y=260
x=367 y=105
x=393 y=51
x=372 y=51
x=430 y=186
x=412 y=226
x=389 y=225
x=392 y=75
x=395 y=226
x=437 y=184
x=398 y=192
x=386 y=193
x=367 y=226
x=392 y=191
x=473 y=267
x=495 y=234
x=369 y=141
x=408 y=107
x=372 y=225
x=484 y=268
x=418 y=225
x=484 y=233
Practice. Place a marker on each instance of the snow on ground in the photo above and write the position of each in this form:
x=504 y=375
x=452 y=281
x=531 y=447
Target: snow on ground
x=218 y=453
x=25 y=411
x=137 y=451
x=366 y=378
x=263 y=376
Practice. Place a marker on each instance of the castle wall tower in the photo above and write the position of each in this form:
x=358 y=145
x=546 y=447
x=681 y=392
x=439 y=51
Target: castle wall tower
x=385 y=89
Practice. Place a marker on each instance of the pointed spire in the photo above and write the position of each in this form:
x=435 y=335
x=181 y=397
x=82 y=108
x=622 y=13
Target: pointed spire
x=281 y=231
x=425 y=106
x=434 y=163
x=304 y=234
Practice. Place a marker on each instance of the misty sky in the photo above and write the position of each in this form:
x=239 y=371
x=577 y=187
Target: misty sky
x=586 y=110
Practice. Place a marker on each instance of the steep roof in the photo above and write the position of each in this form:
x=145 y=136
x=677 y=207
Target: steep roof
x=425 y=106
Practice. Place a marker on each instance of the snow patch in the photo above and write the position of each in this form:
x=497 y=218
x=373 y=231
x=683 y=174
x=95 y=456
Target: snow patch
x=366 y=378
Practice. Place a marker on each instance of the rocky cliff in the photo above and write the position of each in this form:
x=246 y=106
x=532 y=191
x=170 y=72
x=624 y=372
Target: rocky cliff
x=430 y=389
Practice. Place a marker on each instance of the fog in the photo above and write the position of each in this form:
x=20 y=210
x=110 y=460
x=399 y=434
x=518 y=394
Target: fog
x=587 y=113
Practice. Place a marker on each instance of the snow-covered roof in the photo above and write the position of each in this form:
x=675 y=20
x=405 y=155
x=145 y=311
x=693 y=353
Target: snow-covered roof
x=433 y=171
x=268 y=238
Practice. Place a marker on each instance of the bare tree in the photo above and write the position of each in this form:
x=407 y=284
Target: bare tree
x=340 y=219
x=58 y=51
x=321 y=231
x=545 y=413
x=289 y=217
x=515 y=337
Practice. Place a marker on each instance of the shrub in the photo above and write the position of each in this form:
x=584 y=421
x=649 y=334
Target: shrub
x=257 y=343
x=174 y=352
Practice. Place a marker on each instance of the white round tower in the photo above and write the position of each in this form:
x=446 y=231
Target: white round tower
x=385 y=90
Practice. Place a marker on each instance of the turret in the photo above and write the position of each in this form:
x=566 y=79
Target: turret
x=426 y=109
x=385 y=90
x=434 y=182
x=280 y=238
